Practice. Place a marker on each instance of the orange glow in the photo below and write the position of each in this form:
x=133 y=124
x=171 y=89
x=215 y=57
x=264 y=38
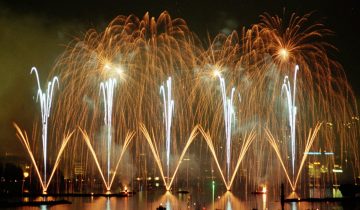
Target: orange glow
x=283 y=53
x=216 y=73
x=26 y=174
x=264 y=190
x=253 y=61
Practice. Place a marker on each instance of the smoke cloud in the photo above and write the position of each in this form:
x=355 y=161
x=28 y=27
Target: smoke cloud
x=26 y=41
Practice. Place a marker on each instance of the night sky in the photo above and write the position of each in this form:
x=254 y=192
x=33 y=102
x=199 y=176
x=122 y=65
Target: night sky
x=34 y=33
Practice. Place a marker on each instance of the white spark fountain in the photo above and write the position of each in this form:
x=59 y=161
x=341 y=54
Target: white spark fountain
x=229 y=116
x=290 y=99
x=45 y=99
x=107 y=89
x=168 y=112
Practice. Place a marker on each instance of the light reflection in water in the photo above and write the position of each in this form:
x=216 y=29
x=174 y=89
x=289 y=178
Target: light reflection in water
x=168 y=206
x=263 y=196
x=169 y=200
x=108 y=204
x=228 y=204
x=193 y=201
x=227 y=201
x=213 y=195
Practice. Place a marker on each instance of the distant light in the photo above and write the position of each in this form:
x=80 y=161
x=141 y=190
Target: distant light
x=337 y=170
x=26 y=174
x=319 y=153
x=329 y=124
x=157 y=178
x=312 y=153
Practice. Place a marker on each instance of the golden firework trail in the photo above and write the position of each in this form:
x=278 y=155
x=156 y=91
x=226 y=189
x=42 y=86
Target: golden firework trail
x=140 y=52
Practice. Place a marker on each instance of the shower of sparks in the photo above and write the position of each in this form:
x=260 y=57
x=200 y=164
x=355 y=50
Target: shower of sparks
x=254 y=60
x=155 y=152
x=22 y=136
x=168 y=112
x=229 y=115
x=244 y=148
x=108 y=183
x=107 y=89
x=309 y=142
x=45 y=99
x=292 y=109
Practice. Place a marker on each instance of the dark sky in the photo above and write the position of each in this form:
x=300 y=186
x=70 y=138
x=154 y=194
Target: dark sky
x=34 y=33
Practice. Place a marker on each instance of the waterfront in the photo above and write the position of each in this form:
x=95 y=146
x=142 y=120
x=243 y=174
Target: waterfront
x=198 y=200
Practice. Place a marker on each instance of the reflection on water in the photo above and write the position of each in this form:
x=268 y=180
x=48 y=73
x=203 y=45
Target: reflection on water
x=263 y=196
x=173 y=201
x=324 y=193
x=108 y=204
x=227 y=201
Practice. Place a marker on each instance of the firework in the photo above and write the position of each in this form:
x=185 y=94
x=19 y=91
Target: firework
x=140 y=52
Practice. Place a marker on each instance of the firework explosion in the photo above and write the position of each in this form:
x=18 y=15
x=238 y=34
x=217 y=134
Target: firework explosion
x=142 y=53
